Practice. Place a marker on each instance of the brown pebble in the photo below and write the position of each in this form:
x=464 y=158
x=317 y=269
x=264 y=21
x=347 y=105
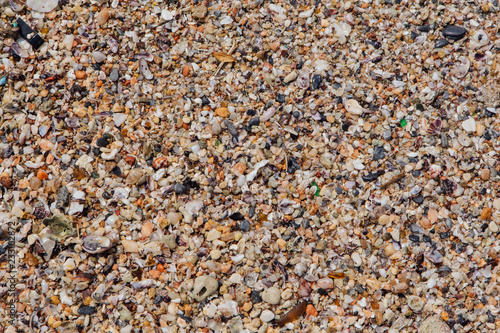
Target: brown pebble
x=6 y=180
x=102 y=17
x=485 y=174
x=80 y=74
x=200 y=12
x=486 y=213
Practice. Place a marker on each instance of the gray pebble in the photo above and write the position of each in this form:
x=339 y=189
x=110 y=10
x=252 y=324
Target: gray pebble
x=114 y=75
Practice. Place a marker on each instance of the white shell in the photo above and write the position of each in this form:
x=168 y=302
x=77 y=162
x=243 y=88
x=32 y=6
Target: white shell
x=352 y=106
x=43 y=6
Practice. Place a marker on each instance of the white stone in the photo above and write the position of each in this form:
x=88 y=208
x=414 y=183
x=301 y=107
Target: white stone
x=119 y=118
x=75 y=207
x=496 y=203
x=266 y=316
x=469 y=125
x=67 y=42
x=352 y=106
x=325 y=283
x=99 y=56
x=272 y=295
x=213 y=235
x=235 y=278
x=356 y=258
x=130 y=245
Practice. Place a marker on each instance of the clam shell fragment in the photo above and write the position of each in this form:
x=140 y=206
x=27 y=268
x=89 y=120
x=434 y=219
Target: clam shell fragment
x=96 y=244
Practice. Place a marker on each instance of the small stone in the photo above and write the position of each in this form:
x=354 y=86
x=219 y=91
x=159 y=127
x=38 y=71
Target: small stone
x=204 y=286
x=469 y=125
x=434 y=324
x=6 y=180
x=496 y=204
x=213 y=235
x=46 y=145
x=179 y=188
x=485 y=174
x=80 y=74
x=352 y=106
x=102 y=17
x=389 y=250
x=316 y=81
x=222 y=112
x=356 y=258
x=325 y=283
x=271 y=295
x=80 y=112
x=266 y=316
x=255 y=121
x=86 y=310
x=400 y=288
x=199 y=12
x=493 y=227
x=244 y=226
x=441 y=43
x=290 y=77
x=170 y=242
x=114 y=75
x=378 y=153
x=231 y=128
x=216 y=129
x=454 y=32
x=486 y=213
x=99 y=56
x=130 y=245
x=67 y=42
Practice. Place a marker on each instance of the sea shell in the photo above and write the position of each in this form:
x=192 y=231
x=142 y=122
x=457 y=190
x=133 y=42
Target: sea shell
x=96 y=244
x=479 y=39
x=160 y=162
x=352 y=106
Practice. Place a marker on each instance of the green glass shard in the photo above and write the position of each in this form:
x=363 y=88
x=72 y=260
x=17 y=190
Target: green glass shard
x=403 y=122
x=317 y=188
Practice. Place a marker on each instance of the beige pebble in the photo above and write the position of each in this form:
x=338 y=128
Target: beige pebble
x=130 y=245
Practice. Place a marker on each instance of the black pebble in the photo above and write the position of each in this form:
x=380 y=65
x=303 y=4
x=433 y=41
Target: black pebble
x=86 y=310
x=244 y=225
x=237 y=216
x=427 y=239
x=2 y=250
x=454 y=32
x=231 y=128
x=255 y=297
x=370 y=177
x=296 y=114
x=116 y=171
x=487 y=135
x=414 y=238
x=418 y=199
x=441 y=43
x=416 y=173
x=355 y=192
x=205 y=100
x=293 y=165
x=255 y=121
x=251 y=112
x=424 y=28
x=280 y=98
x=378 y=153
x=339 y=189
x=316 y=81
x=102 y=141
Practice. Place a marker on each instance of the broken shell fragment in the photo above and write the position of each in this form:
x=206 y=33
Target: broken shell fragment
x=96 y=244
